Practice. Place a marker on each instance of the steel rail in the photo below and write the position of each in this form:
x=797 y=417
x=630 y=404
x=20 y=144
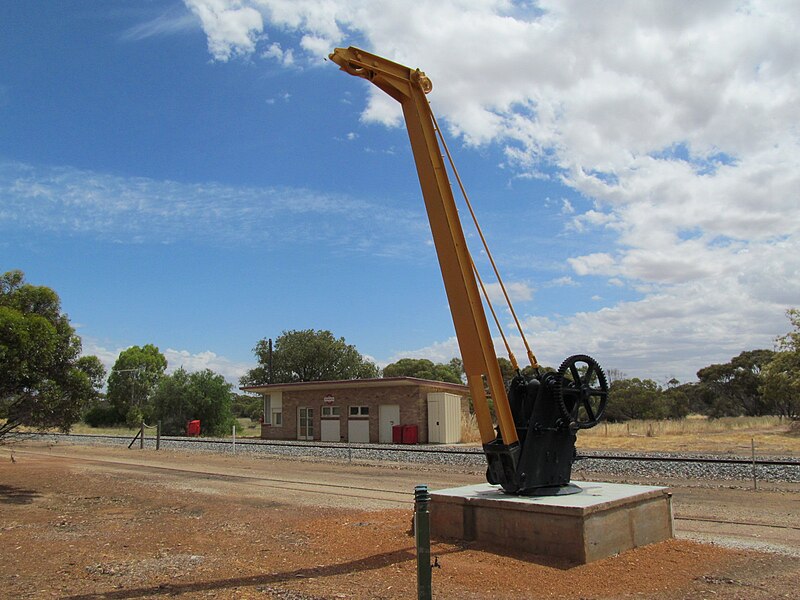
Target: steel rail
x=477 y=452
x=688 y=459
x=725 y=522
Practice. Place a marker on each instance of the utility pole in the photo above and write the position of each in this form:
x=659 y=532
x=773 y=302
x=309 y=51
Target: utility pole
x=137 y=370
x=269 y=361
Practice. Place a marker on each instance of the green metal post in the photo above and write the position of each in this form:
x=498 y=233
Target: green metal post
x=422 y=534
x=158 y=435
x=141 y=439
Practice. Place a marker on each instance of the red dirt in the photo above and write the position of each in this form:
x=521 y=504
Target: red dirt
x=70 y=529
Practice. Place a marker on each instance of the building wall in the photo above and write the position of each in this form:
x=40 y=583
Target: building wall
x=412 y=400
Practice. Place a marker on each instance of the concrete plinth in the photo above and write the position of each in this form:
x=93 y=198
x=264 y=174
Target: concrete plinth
x=601 y=520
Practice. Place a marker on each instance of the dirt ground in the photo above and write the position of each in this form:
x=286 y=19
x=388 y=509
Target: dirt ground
x=107 y=523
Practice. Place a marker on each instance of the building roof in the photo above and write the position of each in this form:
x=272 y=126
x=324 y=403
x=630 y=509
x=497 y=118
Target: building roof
x=356 y=383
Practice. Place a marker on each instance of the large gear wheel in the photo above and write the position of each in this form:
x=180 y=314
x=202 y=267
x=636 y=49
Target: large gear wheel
x=582 y=391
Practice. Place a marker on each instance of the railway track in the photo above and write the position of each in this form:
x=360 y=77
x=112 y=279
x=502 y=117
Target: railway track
x=389 y=450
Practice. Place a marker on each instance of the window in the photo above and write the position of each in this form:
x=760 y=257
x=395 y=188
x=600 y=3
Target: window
x=330 y=411
x=273 y=411
x=359 y=411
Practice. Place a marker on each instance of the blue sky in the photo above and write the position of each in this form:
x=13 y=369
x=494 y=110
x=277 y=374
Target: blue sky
x=195 y=175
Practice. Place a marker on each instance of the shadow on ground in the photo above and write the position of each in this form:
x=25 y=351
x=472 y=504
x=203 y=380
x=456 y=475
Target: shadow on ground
x=10 y=494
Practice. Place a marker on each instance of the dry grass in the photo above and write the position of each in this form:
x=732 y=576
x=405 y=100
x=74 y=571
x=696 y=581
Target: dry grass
x=469 y=429
x=730 y=435
x=690 y=425
x=81 y=427
x=245 y=427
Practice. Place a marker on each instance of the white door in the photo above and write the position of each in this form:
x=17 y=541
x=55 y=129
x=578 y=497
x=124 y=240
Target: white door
x=389 y=415
x=329 y=430
x=434 y=420
x=358 y=431
x=305 y=423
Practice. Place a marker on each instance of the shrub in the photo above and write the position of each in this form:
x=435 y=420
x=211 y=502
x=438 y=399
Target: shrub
x=102 y=414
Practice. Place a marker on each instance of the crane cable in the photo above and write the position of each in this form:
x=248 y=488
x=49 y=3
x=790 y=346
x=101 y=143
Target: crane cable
x=511 y=356
x=531 y=357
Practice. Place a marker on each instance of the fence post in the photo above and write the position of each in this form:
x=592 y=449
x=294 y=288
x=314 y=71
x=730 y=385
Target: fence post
x=422 y=536
x=753 y=448
x=141 y=439
x=234 y=439
x=158 y=435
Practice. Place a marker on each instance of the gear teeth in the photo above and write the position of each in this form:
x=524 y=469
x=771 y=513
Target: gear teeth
x=601 y=379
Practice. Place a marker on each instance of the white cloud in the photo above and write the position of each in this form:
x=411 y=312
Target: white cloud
x=68 y=201
x=200 y=361
x=590 y=219
x=599 y=263
x=176 y=359
x=233 y=29
x=284 y=57
x=438 y=352
x=518 y=291
x=561 y=282
x=168 y=23
x=680 y=126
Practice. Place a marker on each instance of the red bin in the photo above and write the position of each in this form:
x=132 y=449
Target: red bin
x=397 y=434
x=193 y=428
x=410 y=434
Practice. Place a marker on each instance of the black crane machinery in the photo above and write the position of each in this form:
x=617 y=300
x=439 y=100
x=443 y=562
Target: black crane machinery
x=531 y=448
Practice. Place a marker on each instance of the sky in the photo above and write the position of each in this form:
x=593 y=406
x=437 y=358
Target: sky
x=196 y=175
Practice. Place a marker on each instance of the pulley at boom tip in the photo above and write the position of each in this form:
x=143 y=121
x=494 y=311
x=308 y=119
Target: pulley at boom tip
x=360 y=63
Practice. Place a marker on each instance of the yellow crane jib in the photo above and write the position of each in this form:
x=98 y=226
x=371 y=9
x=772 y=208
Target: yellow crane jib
x=531 y=449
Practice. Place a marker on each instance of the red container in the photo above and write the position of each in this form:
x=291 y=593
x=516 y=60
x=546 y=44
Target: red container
x=410 y=434
x=193 y=428
x=397 y=434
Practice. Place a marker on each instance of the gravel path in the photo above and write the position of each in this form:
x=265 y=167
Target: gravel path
x=590 y=464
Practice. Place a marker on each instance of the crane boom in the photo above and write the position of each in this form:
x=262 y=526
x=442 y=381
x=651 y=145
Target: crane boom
x=515 y=468
x=409 y=87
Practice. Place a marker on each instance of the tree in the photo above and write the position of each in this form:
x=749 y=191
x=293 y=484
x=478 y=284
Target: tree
x=422 y=368
x=735 y=384
x=780 y=381
x=506 y=369
x=690 y=398
x=677 y=399
x=457 y=366
x=183 y=397
x=309 y=355
x=247 y=406
x=133 y=380
x=43 y=380
x=635 y=399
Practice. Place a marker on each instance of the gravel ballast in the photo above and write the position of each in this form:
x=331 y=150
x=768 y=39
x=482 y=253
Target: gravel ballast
x=588 y=464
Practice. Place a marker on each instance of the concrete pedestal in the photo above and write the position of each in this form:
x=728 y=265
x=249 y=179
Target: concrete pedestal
x=601 y=520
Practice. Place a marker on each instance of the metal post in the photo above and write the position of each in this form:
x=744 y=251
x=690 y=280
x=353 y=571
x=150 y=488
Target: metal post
x=158 y=435
x=753 y=447
x=269 y=363
x=133 y=441
x=141 y=439
x=422 y=536
x=234 y=439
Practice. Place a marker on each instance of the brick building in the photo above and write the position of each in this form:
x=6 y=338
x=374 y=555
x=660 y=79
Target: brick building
x=363 y=410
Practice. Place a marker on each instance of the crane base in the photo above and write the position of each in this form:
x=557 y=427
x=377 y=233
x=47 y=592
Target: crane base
x=601 y=520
